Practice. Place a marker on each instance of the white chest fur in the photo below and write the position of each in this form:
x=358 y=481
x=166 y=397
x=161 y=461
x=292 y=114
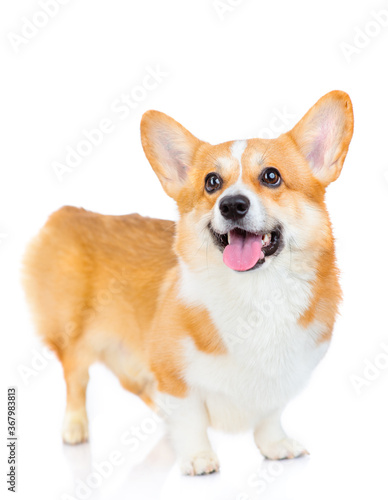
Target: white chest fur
x=269 y=355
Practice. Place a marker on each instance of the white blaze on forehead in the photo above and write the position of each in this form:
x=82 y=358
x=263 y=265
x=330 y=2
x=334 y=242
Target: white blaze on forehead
x=237 y=149
x=256 y=217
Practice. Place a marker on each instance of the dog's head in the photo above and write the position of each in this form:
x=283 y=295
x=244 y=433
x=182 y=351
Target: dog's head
x=244 y=203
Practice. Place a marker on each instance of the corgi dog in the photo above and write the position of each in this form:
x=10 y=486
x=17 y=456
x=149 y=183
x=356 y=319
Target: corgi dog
x=221 y=315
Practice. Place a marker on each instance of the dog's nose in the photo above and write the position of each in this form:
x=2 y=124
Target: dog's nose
x=234 y=207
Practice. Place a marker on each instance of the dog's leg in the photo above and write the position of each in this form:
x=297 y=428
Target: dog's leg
x=188 y=430
x=273 y=442
x=75 y=425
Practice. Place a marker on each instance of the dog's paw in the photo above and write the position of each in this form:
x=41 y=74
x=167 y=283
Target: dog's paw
x=201 y=463
x=75 y=427
x=285 y=448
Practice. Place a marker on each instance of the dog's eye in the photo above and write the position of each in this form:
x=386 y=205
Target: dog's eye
x=213 y=182
x=271 y=177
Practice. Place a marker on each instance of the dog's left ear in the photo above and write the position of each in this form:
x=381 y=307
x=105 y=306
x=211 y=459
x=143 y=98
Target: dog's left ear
x=324 y=133
x=169 y=148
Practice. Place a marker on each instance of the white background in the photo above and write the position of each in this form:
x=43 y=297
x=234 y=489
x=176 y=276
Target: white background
x=227 y=76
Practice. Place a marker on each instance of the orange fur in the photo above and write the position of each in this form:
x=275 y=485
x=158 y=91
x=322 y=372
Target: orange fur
x=94 y=283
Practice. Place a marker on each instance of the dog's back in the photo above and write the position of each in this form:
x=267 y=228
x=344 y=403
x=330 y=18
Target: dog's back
x=92 y=282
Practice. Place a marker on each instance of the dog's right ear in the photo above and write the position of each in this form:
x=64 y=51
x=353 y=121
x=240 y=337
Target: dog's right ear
x=169 y=148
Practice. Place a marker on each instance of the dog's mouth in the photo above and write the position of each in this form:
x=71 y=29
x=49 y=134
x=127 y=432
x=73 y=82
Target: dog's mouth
x=245 y=251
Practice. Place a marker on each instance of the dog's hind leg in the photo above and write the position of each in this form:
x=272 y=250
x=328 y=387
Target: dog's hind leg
x=76 y=372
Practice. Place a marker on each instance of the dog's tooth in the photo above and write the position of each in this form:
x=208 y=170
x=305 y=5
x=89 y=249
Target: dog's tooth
x=266 y=238
x=228 y=236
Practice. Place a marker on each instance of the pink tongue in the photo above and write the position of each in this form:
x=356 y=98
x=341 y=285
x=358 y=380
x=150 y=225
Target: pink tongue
x=243 y=251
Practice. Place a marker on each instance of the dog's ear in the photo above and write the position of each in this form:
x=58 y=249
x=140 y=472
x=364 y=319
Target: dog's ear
x=324 y=133
x=169 y=148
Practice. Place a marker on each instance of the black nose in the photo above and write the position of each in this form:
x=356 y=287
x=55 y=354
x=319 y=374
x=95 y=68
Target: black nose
x=234 y=207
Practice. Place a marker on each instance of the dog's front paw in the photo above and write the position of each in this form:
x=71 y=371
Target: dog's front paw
x=285 y=448
x=75 y=427
x=204 y=462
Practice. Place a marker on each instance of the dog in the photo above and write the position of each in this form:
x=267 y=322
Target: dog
x=224 y=313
